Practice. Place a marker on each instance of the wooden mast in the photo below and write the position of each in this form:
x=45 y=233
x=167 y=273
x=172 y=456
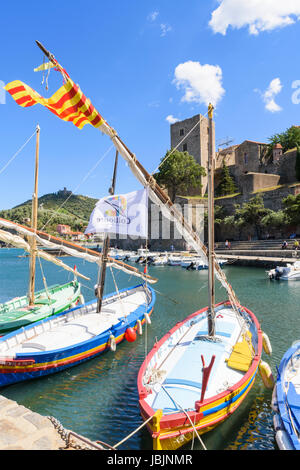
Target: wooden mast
x=105 y=249
x=34 y=220
x=211 y=237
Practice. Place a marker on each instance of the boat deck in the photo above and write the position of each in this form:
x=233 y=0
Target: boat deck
x=180 y=369
x=80 y=325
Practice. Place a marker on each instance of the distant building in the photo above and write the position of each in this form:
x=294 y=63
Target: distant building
x=63 y=229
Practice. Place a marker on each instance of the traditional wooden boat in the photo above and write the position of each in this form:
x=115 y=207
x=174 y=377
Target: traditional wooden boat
x=192 y=381
x=200 y=372
x=286 y=400
x=18 y=313
x=32 y=307
x=73 y=337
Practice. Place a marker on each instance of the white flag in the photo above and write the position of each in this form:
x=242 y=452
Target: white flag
x=125 y=214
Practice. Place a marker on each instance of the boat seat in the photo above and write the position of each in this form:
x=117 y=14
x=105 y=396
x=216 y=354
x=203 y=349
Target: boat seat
x=42 y=347
x=44 y=301
x=241 y=356
x=189 y=383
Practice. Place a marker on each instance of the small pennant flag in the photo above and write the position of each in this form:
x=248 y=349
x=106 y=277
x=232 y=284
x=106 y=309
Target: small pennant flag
x=46 y=66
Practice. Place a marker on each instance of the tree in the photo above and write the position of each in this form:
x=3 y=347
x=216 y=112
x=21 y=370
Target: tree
x=292 y=208
x=288 y=139
x=178 y=172
x=226 y=185
x=297 y=165
x=275 y=220
x=251 y=214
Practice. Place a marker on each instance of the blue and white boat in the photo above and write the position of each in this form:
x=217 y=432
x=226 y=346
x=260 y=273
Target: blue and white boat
x=286 y=400
x=75 y=336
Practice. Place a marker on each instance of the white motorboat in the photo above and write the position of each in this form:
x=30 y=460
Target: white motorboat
x=190 y=262
x=174 y=260
x=160 y=260
x=290 y=272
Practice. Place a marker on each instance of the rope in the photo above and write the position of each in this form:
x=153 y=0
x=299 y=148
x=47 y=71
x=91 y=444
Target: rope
x=76 y=189
x=44 y=279
x=187 y=415
x=118 y=293
x=17 y=153
x=132 y=433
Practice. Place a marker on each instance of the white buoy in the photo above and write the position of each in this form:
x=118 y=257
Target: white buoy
x=147 y=318
x=112 y=343
x=139 y=327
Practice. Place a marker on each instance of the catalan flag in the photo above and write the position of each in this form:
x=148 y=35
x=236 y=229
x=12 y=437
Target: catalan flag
x=68 y=103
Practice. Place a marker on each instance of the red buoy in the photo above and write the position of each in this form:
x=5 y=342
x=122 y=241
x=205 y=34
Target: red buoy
x=130 y=335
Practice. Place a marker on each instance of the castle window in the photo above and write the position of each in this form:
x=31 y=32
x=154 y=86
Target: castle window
x=184 y=147
x=245 y=158
x=181 y=131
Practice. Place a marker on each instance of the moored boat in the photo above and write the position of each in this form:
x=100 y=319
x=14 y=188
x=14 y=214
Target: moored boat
x=74 y=336
x=17 y=313
x=200 y=372
x=290 y=272
x=191 y=381
x=286 y=400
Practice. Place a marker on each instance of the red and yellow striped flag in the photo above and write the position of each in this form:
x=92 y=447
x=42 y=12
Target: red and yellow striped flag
x=68 y=103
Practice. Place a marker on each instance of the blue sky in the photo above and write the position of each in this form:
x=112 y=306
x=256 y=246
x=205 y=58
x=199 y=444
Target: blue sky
x=140 y=62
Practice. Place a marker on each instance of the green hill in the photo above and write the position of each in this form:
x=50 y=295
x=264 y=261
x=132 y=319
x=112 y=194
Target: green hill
x=75 y=211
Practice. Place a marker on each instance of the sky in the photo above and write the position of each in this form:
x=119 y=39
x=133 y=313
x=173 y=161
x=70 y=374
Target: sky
x=144 y=65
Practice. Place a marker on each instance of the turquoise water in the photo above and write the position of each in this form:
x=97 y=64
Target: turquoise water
x=99 y=399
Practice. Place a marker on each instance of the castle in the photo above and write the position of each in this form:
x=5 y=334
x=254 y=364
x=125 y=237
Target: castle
x=250 y=164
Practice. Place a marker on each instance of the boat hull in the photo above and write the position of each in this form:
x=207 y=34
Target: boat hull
x=171 y=430
x=29 y=366
x=286 y=401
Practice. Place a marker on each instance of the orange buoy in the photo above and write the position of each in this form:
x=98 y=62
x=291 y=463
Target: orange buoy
x=130 y=335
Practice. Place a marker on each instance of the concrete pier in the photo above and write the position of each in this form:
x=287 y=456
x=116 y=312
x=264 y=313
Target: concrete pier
x=22 y=429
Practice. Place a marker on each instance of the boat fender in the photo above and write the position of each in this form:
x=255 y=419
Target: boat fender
x=112 y=343
x=130 y=335
x=274 y=403
x=283 y=440
x=139 y=327
x=266 y=374
x=81 y=299
x=277 y=423
x=148 y=320
x=266 y=344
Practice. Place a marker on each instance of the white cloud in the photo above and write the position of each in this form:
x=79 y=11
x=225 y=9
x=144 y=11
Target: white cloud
x=258 y=15
x=171 y=119
x=268 y=96
x=164 y=29
x=202 y=84
x=152 y=16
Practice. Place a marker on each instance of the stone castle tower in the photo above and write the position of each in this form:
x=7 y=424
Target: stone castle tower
x=196 y=143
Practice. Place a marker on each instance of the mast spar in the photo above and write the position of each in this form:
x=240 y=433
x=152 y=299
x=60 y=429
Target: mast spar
x=34 y=214
x=105 y=248
x=211 y=237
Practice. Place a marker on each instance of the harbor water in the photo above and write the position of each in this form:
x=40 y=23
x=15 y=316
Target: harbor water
x=99 y=399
